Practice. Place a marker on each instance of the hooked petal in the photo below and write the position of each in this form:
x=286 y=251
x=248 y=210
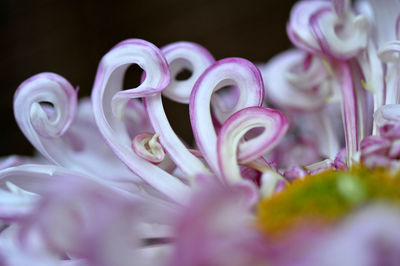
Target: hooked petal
x=230 y=71
x=40 y=123
x=291 y=86
x=109 y=103
x=231 y=146
x=179 y=56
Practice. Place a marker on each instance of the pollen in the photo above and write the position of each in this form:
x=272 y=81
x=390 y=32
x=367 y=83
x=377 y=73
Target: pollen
x=325 y=198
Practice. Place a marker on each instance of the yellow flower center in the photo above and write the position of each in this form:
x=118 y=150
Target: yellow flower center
x=324 y=198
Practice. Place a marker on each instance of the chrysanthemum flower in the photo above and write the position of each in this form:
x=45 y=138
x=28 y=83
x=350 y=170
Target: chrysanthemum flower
x=295 y=162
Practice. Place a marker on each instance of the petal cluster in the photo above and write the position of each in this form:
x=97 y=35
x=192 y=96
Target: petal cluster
x=294 y=162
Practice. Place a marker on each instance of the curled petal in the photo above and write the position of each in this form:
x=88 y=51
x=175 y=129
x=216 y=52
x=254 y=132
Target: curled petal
x=390 y=52
x=387 y=114
x=230 y=138
x=298 y=27
x=40 y=123
x=373 y=146
x=338 y=38
x=115 y=62
x=231 y=71
x=179 y=55
x=146 y=146
x=316 y=27
x=289 y=84
x=109 y=100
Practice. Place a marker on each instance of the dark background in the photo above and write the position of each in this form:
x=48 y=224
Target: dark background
x=69 y=38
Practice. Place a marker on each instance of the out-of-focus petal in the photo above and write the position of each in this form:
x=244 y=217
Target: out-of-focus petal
x=86 y=219
x=216 y=229
x=369 y=237
x=291 y=85
x=384 y=19
x=32 y=252
x=388 y=114
x=322 y=30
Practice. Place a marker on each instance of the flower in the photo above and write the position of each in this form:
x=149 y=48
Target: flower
x=296 y=161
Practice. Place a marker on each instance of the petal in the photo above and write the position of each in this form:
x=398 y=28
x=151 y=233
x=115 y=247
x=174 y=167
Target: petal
x=33 y=251
x=317 y=28
x=289 y=85
x=109 y=104
x=367 y=237
x=43 y=126
x=216 y=229
x=146 y=146
x=231 y=71
x=179 y=55
x=229 y=144
x=384 y=20
x=390 y=54
x=15 y=207
x=387 y=114
x=86 y=219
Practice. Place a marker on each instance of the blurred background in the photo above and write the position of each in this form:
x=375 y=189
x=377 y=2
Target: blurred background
x=69 y=38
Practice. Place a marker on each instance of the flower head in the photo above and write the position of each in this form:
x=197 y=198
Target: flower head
x=295 y=162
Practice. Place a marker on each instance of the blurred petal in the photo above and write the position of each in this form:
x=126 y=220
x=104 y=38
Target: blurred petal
x=291 y=85
x=217 y=230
